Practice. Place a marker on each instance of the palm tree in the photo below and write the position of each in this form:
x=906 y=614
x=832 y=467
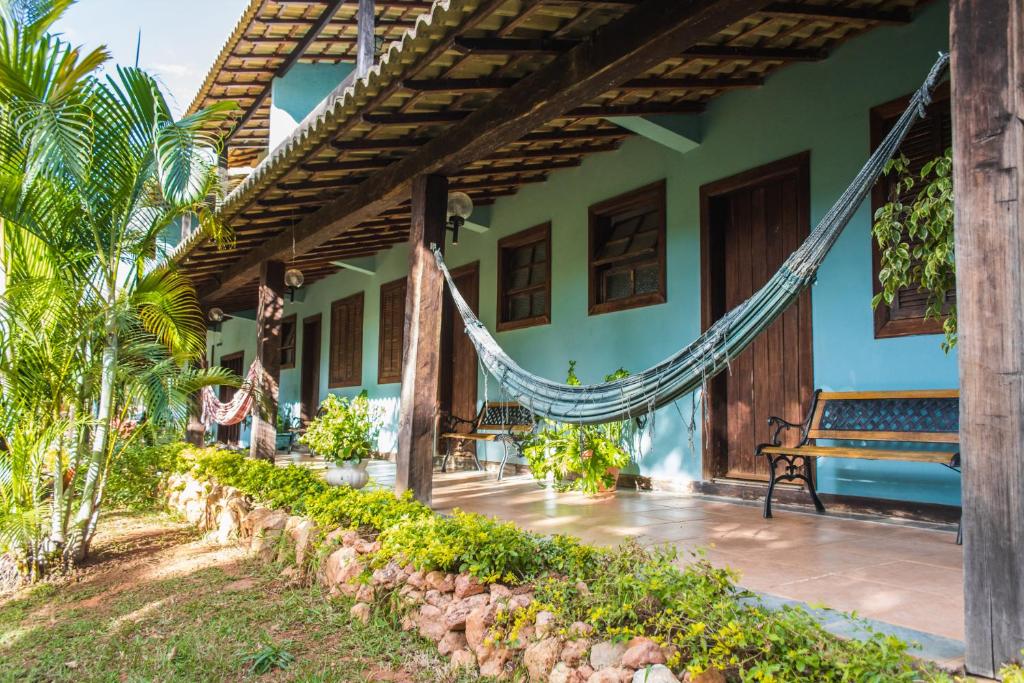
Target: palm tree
x=93 y=170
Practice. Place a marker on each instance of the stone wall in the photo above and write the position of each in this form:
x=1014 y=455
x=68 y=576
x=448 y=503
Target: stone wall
x=454 y=611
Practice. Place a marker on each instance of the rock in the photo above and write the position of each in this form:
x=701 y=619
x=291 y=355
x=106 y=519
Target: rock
x=642 y=652
x=365 y=593
x=500 y=592
x=711 y=675
x=349 y=538
x=364 y=547
x=561 y=673
x=584 y=672
x=582 y=589
x=408 y=623
x=340 y=567
x=575 y=651
x=304 y=535
x=611 y=675
x=439 y=581
x=438 y=599
x=463 y=659
x=457 y=611
x=606 y=655
x=254 y=518
x=416 y=579
x=386 y=576
x=467 y=585
x=451 y=642
x=656 y=673
x=540 y=658
x=430 y=622
x=494 y=661
x=478 y=623
x=545 y=623
x=361 y=611
x=333 y=538
x=524 y=637
x=579 y=629
x=520 y=601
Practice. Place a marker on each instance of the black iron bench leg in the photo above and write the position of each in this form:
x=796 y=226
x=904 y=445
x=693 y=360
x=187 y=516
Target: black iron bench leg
x=792 y=473
x=960 y=531
x=809 y=479
x=447 y=456
x=771 y=488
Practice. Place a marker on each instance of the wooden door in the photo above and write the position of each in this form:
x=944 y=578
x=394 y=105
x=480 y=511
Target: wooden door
x=229 y=434
x=309 y=379
x=750 y=224
x=458 y=357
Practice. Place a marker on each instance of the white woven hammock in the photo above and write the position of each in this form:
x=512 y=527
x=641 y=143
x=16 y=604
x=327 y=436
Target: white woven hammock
x=234 y=411
x=693 y=365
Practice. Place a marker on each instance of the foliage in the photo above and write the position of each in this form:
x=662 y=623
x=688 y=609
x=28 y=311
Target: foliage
x=580 y=456
x=268 y=658
x=915 y=240
x=98 y=344
x=137 y=472
x=286 y=421
x=344 y=429
x=622 y=593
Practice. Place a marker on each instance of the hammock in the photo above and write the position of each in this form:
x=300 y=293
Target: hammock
x=235 y=410
x=691 y=367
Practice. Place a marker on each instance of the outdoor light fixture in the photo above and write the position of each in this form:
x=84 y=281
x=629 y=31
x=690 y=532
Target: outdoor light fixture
x=460 y=207
x=216 y=314
x=293 y=279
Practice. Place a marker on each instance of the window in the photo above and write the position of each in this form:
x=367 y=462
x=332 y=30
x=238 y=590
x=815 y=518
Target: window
x=524 y=278
x=929 y=138
x=392 y=332
x=346 y=359
x=627 y=250
x=288 y=325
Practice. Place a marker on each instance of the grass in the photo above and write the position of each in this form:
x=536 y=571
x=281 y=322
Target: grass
x=203 y=623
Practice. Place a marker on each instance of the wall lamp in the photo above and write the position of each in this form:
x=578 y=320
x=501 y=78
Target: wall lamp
x=460 y=207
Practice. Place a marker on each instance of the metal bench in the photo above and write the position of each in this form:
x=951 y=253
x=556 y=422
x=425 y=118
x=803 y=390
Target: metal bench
x=504 y=422
x=897 y=417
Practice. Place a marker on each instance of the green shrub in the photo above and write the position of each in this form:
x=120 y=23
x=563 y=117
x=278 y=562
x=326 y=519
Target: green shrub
x=136 y=472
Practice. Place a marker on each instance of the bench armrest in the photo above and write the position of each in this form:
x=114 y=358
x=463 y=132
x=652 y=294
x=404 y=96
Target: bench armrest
x=782 y=425
x=449 y=422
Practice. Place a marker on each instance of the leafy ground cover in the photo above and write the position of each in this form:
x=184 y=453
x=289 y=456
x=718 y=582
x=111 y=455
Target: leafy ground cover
x=158 y=603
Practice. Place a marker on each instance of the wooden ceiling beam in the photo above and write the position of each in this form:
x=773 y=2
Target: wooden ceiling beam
x=491 y=84
x=616 y=52
x=835 y=13
x=513 y=46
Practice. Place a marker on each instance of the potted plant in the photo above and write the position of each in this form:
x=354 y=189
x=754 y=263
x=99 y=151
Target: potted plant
x=586 y=458
x=344 y=432
x=286 y=426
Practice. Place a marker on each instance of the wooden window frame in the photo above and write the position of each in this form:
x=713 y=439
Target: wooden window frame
x=382 y=376
x=294 y=320
x=538 y=233
x=333 y=380
x=624 y=202
x=887 y=327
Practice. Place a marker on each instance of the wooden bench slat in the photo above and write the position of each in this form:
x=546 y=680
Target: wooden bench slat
x=866 y=435
x=862 y=453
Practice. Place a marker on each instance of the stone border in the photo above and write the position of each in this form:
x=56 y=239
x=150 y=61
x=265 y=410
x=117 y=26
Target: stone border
x=454 y=611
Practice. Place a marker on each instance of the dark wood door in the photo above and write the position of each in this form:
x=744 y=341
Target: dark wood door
x=458 y=357
x=229 y=434
x=751 y=223
x=309 y=382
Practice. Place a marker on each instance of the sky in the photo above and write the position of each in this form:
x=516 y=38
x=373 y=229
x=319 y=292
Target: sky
x=180 y=38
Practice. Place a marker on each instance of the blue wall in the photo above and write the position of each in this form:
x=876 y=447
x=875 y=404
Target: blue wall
x=822 y=108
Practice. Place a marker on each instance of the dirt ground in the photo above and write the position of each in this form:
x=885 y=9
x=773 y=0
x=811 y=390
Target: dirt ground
x=158 y=602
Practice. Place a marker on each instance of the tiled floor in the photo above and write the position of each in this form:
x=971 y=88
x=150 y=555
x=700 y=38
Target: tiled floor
x=902 y=575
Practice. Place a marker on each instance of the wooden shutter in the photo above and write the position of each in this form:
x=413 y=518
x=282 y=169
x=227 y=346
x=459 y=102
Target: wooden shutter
x=346 y=353
x=288 y=330
x=524 y=278
x=392 y=332
x=930 y=137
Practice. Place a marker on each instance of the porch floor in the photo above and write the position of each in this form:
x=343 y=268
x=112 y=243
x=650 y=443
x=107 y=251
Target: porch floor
x=895 y=573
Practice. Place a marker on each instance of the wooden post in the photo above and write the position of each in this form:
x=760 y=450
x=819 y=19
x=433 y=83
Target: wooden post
x=366 y=48
x=421 y=357
x=987 y=41
x=195 y=431
x=269 y=312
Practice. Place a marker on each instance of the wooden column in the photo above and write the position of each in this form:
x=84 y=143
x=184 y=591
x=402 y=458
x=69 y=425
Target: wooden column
x=269 y=312
x=421 y=357
x=987 y=41
x=366 y=49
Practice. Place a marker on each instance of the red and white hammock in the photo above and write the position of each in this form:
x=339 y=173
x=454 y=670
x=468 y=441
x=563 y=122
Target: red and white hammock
x=235 y=410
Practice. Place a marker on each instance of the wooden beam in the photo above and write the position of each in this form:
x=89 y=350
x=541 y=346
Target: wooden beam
x=642 y=39
x=421 y=362
x=541 y=46
x=833 y=13
x=365 y=43
x=513 y=46
x=987 y=41
x=488 y=84
x=780 y=54
x=269 y=312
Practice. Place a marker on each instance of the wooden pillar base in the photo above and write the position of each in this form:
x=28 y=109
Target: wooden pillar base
x=263 y=437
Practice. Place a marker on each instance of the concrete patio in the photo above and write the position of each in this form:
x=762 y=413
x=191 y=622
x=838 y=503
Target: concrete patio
x=904 y=578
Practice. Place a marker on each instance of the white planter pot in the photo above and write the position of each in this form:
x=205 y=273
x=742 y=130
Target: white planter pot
x=348 y=474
